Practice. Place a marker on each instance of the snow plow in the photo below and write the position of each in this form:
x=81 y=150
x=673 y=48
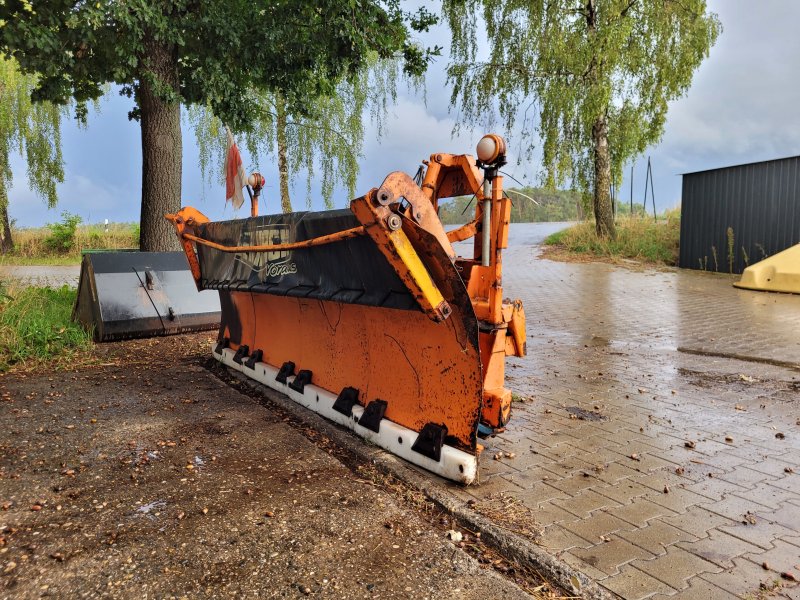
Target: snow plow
x=367 y=315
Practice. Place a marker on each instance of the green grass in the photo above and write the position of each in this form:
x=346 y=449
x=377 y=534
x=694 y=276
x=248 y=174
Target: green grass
x=638 y=238
x=36 y=326
x=14 y=260
x=31 y=246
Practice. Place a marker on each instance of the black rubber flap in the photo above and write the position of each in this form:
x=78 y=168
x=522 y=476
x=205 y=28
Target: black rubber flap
x=299 y=383
x=141 y=294
x=221 y=345
x=255 y=357
x=373 y=415
x=286 y=370
x=351 y=271
x=241 y=353
x=430 y=440
x=345 y=401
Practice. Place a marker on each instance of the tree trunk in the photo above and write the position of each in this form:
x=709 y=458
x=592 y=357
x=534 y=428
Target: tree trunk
x=161 y=148
x=283 y=163
x=603 y=213
x=6 y=243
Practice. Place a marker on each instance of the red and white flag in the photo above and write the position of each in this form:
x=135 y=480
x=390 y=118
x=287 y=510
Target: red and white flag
x=235 y=179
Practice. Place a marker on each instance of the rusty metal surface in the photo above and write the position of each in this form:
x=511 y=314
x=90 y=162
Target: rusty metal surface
x=399 y=187
x=444 y=360
x=425 y=371
x=387 y=229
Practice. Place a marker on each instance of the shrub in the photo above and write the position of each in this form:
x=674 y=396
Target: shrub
x=640 y=238
x=62 y=235
x=30 y=245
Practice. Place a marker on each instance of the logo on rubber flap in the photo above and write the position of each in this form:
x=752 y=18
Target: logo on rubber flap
x=270 y=269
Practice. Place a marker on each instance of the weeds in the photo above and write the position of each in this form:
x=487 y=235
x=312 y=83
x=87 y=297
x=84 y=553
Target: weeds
x=62 y=234
x=31 y=245
x=638 y=238
x=36 y=326
x=731 y=250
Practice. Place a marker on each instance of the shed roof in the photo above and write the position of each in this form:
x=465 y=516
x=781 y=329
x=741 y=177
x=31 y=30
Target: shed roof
x=758 y=162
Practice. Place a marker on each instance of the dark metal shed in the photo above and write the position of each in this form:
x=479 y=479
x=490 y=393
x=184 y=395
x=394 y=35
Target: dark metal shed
x=735 y=216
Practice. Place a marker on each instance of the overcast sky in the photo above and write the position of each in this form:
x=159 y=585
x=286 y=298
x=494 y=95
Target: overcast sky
x=742 y=107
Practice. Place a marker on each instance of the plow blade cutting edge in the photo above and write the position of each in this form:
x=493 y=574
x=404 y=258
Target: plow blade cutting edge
x=366 y=317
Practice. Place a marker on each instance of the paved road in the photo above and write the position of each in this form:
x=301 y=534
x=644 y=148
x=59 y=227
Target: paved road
x=656 y=471
x=42 y=276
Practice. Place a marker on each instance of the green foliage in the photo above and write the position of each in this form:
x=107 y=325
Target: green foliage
x=36 y=325
x=624 y=209
x=31 y=246
x=528 y=205
x=327 y=136
x=220 y=49
x=638 y=238
x=212 y=53
x=33 y=130
x=62 y=234
x=555 y=68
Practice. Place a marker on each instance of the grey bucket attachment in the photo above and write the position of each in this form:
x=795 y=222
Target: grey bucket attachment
x=141 y=294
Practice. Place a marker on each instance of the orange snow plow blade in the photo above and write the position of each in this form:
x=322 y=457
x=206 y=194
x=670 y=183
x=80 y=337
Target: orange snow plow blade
x=367 y=315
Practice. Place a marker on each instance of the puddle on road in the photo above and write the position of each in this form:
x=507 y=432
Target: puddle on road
x=586 y=415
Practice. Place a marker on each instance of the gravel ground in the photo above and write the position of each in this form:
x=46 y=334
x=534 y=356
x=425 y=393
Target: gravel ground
x=146 y=476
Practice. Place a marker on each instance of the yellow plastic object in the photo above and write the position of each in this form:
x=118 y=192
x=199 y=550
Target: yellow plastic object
x=779 y=273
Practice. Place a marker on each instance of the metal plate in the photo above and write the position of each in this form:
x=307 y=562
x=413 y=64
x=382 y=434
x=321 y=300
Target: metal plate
x=141 y=294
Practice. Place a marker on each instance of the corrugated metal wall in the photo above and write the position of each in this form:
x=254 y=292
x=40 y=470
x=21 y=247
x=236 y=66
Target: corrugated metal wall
x=758 y=202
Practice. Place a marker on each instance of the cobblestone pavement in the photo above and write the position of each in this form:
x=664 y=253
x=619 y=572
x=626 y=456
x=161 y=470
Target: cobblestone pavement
x=657 y=472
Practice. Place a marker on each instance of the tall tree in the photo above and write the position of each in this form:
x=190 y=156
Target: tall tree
x=34 y=130
x=209 y=52
x=591 y=77
x=326 y=139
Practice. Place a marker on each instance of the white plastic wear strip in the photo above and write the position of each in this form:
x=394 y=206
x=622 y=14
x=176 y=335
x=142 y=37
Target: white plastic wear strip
x=454 y=464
